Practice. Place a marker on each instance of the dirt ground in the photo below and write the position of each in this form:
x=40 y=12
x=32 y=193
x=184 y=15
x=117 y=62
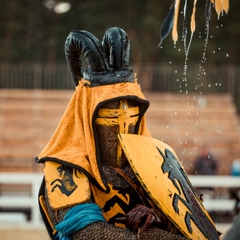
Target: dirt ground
x=23 y=234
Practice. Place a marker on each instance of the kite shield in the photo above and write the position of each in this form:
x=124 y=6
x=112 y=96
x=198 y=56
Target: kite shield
x=162 y=176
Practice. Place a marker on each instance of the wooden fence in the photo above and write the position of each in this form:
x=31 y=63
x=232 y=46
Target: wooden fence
x=161 y=78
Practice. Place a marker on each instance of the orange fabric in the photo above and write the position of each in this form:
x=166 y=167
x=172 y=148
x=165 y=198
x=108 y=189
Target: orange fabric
x=73 y=140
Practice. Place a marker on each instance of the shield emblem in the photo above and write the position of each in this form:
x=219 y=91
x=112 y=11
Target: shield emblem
x=161 y=174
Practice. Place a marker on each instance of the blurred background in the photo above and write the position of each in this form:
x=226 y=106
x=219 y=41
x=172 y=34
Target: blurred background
x=194 y=102
x=35 y=31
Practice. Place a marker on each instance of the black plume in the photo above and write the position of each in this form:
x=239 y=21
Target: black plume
x=80 y=43
x=117 y=47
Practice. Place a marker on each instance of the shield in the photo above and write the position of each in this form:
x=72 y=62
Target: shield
x=162 y=176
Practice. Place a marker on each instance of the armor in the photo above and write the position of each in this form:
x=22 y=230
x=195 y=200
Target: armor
x=85 y=165
x=116 y=117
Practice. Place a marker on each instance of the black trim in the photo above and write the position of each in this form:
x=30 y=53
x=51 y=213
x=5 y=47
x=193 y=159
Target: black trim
x=45 y=220
x=111 y=77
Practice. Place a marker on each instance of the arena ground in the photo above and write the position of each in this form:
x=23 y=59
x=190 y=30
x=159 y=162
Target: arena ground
x=22 y=233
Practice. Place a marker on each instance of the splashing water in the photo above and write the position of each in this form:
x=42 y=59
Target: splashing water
x=193 y=26
x=207 y=27
x=170 y=26
x=171 y=21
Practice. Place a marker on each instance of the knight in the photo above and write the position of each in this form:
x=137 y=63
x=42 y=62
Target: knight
x=90 y=190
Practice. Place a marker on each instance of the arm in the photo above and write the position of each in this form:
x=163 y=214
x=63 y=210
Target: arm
x=106 y=231
x=59 y=207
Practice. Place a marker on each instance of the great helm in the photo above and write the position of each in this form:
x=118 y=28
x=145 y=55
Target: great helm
x=107 y=65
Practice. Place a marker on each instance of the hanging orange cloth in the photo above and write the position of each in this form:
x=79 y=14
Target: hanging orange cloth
x=170 y=23
x=175 y=21
x=221 y=5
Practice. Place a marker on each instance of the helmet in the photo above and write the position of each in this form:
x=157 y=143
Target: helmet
x=116 y=117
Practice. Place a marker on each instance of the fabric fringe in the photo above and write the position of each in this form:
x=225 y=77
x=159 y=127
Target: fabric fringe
x=193 y=22
x=175 y=22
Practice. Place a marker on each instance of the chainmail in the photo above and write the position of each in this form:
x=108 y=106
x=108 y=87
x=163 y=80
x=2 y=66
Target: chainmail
x=158 y=234
x=103 y=231
x=106 y=231
x=115 y=179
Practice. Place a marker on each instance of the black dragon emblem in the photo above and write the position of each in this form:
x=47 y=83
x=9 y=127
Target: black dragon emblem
x=187 y=196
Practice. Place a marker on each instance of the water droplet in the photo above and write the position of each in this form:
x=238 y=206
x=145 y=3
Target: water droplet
x=219 y=131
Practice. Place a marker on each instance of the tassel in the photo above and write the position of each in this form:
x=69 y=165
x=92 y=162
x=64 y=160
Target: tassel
x=221 y=5
x=226 y=6
x=174 y=31
x=193 y=22
x=218 y=6
x=171 y=21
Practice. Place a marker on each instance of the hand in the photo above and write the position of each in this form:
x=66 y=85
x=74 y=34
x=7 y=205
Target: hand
x=140 y=216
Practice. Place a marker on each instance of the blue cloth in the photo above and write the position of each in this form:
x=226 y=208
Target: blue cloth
x=77 y=218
